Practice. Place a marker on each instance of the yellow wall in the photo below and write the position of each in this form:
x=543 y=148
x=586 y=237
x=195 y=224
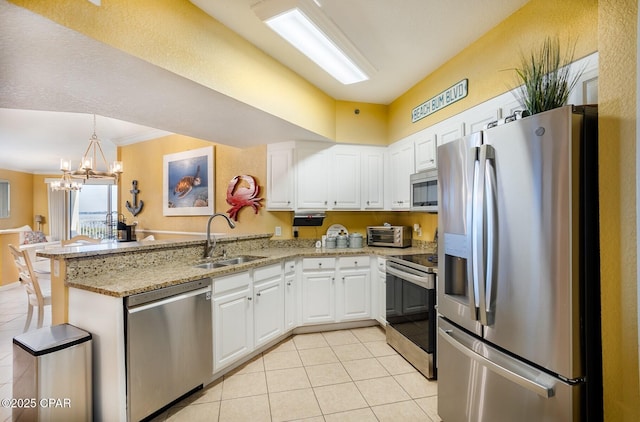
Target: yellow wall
x=487 y=61
x=21 y=200
x=367 y=125
x=144 y=162
x=617 y=31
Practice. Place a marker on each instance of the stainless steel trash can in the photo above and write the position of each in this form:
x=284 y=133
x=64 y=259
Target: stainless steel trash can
x=52 y=375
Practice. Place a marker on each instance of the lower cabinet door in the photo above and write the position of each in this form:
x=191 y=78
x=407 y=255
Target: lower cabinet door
x=268 y=310
x=318 y=293
x=233 y=322
x=290 y=302
x=355 y=300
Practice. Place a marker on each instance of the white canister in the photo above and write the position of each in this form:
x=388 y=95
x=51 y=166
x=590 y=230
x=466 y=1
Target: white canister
x=355 y=240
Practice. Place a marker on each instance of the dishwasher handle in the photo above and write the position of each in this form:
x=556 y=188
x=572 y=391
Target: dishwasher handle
x=170 y=299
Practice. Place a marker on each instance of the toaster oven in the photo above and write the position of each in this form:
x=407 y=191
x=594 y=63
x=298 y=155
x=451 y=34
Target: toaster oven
x=389 y=236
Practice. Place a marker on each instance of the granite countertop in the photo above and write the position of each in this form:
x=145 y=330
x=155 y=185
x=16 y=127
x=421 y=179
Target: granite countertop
x=128 y=282
x=115 y=247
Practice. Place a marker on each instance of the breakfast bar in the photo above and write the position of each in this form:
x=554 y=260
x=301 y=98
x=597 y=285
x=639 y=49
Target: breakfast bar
x=282 y=283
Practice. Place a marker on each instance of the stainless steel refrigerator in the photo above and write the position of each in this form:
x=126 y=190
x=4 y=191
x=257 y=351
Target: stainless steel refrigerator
x=519 y=274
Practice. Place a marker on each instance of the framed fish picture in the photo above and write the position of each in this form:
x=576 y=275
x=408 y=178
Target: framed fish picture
x=188 y=183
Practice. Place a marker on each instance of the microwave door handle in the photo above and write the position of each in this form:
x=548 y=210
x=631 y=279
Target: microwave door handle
x=472 y=284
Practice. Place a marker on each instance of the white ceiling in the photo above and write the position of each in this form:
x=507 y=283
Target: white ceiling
x=405 y=40
x=51 y=76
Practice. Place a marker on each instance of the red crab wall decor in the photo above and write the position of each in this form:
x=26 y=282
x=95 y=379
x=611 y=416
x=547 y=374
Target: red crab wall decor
x=242 y=192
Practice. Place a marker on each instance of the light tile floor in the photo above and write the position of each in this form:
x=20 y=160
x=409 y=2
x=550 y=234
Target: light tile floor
x=346 y=375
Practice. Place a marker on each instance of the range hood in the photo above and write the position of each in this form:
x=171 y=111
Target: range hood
x=310 y=218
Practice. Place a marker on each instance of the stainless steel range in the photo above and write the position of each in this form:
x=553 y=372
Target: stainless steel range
x=411 y=314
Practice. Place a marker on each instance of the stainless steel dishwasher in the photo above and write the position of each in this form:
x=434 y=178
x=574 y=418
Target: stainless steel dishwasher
x=168 y=345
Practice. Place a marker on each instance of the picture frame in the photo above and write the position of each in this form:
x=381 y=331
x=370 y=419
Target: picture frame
x=188 y=183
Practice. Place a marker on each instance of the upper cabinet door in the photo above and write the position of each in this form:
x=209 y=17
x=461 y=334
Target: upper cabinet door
x=426 y=156
x=401 y=165
x=345 y=177
x=450 y=132
x=373 y=175
x=312 y=175
x=280 y=177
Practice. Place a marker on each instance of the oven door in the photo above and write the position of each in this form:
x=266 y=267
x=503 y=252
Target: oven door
x=411 y=311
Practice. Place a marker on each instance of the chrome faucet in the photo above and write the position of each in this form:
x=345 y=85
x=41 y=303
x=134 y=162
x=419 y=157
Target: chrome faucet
x=211 y=245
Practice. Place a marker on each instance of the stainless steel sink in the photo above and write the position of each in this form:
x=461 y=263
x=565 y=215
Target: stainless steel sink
x=241 y=259
x=209 y=265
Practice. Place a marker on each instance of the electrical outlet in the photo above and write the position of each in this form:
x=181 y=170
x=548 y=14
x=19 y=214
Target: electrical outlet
x=278 y=231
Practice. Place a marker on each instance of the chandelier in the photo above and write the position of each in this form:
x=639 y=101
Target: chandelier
x=73 y=179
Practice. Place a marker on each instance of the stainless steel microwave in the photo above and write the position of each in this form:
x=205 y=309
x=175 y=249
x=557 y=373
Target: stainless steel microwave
x=424 y=191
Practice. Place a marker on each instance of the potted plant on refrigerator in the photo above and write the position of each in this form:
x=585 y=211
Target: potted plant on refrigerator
x=546 y=77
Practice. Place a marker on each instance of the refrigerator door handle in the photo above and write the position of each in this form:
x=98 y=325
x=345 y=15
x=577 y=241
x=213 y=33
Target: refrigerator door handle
x=472 y=280
x=478 y=233
x=509 y=373
x=487 y=156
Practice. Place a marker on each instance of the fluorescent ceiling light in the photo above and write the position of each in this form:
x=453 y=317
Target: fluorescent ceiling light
x=311 y=37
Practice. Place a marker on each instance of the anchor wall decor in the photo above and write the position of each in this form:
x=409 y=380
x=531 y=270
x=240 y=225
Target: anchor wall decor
x=137 y=206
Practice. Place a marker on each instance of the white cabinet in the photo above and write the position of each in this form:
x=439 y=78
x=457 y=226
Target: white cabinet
x=372 y=178
x=401 y=166
x=320 y=176
x=425 y=149
x=353 y=294
x=333 y=293
x=268 y=303
x=318 y=290
x=453 y=129
x=290 y=295
x=345 y=177
x=312 y=176
x=280 y=176
x=232 y=319
x=480 y=116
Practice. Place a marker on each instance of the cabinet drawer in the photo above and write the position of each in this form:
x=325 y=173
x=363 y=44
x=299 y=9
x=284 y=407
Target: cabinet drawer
x=290 y=266
x=318 y=263
x=354 y=262
x=230 y=282
x=269 y=271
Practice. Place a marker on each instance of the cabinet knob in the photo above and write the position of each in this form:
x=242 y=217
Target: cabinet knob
x=288 y=202
x=319 y=264
x=342 y=278
x=288 y=283
x=249 y=298
x=368 y=203
x=355 y=262
x=325 y=202
x=335 y=202
x=258 y=294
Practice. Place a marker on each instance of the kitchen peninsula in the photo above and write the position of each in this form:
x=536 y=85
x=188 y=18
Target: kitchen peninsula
x=280 y=284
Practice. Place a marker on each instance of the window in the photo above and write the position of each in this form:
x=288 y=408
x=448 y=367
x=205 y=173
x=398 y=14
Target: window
x=92 y=211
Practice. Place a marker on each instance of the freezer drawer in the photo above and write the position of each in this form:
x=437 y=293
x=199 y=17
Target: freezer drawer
x=478 y=383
